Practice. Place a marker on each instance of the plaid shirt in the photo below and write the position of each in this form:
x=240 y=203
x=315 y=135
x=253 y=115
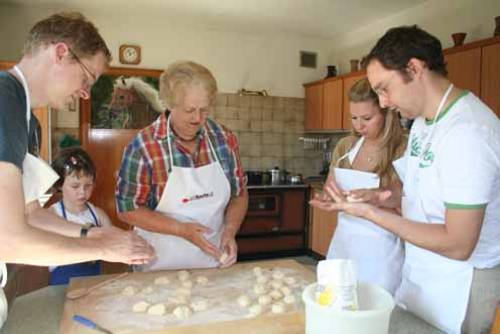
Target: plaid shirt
x=145 y=163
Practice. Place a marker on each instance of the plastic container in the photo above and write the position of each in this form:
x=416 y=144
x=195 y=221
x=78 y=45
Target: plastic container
x=375 y=307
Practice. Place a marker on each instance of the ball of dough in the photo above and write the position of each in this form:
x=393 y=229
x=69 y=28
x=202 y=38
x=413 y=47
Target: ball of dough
x=223 y=257
x=199 y=305
x=147 y=290
x=183 y=292
x=243 y=300
x=162 y=280
x=254 y=310
x=141 y=306
x=278 y=308
x=187 y=284
x=157 y=309
x=202 y=280
x=264 y=300
x=259 y=289
x=277 y=275
x=285 y=290
x=182 y=312
x=129 y=291
x=275 y=294
x=183 y=275
x=276 y=284
x=289 y=299
x=262 y=279
x=257 y=271
x=290 y=280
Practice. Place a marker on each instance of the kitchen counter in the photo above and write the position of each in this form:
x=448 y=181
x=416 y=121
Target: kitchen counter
x=40 y=312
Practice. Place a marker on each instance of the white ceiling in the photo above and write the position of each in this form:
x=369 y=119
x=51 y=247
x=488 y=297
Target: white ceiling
x=315 y=18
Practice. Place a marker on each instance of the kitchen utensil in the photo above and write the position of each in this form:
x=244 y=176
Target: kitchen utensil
x=295 y=179
x=90 y=324
x=278 y=176
x=78 y=293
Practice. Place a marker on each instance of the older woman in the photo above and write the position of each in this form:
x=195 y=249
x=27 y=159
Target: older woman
x=365 y=160
x=181 y=183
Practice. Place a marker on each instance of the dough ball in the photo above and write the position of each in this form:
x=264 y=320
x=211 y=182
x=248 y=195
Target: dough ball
x=243 y=300
x=276 y=284
x=182 y=312
x=147 y=290
x=278 y=308
x=187 y=284
x=202 y=280
x=289 y=299
x=162 y=280
x=129 y=291
x=183 y=275
x=156 y=309
x=277 y=275
x=353 y=199
x=257 y=271
x=223 y=257
x=178 y=299
x=140 y=307
x=275 y=294
x=285 y=290
x=290 y=280
x=264 y=300
x=183 y=292
x=254 y=310
x=199 y=305
x=262 y=279
x=259 y=289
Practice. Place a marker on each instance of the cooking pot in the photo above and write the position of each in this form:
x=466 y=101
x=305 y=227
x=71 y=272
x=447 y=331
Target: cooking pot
x=258 y=178
x=278 y=176
x=294 y=179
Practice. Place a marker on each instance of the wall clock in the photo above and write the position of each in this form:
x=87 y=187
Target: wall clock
x=130 y=54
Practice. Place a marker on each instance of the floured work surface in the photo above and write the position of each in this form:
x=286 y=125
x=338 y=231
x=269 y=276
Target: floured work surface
x=199 y=301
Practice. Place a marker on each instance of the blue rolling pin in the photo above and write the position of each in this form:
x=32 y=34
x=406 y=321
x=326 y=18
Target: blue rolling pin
x=90 y=324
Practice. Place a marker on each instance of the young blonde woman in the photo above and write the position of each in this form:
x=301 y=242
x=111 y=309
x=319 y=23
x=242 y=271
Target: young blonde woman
x=364 y=160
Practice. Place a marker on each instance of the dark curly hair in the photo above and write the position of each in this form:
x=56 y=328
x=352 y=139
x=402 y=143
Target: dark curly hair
x=398 y=45
x=73 y=160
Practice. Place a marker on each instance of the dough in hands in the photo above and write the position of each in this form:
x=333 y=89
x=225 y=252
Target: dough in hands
x=147 y=290
x=278 y=308
x=259 y=289
x=223 y=257
x=202 y=280
x=264 y=300
x=254 y=310
x=243 y=300
x=182 y=312
x=140 y=307
x=162 y=280
x=128 y=291
x=183 y=275
x=199 y=305
x=157 y=309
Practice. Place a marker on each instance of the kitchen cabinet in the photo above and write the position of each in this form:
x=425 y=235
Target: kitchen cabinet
x=314 y=106
x=347 y=83
x=490 y=76
x=324 y=105
x=464 y=69
x=322 y=225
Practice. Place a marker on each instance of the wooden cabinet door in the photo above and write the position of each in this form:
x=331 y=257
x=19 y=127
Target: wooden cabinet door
x=43 y=116
x=348 y=82
x=323 y=226
x=490 y=77
x=314 y=105
x=464 y=69
x=332 y=105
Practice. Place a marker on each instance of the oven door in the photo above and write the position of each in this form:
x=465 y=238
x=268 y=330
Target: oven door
x=264 y=213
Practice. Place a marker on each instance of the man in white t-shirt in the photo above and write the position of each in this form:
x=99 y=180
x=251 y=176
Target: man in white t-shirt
x=451 y=194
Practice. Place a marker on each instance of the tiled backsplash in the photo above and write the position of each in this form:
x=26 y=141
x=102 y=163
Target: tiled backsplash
x=268 y=129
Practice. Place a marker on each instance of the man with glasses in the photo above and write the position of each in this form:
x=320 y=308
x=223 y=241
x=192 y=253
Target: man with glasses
x=63 y=56
x=451 y=196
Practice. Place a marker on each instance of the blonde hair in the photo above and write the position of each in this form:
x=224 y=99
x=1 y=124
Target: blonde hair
x=392 y=134
x=181 y=74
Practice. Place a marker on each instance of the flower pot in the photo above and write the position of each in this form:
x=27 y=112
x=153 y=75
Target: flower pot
x=354 y=65
x=458 y=38
x=497 y=28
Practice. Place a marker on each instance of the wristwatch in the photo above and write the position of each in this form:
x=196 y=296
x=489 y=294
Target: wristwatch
x=85 y=230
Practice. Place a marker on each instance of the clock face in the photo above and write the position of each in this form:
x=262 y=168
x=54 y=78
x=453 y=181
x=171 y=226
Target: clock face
x=130 y=54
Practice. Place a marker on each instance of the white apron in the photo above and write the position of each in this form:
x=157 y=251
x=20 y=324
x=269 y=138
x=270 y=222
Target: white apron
x=379 y=253
x=433 y=287
x=190 y=195
x=38 y=177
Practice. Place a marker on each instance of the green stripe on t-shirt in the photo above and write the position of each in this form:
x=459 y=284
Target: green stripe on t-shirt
x=464 y=206
x=445 y=111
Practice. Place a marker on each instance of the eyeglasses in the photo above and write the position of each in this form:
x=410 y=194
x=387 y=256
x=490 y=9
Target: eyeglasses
x=88 y=83
x=382 y=89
